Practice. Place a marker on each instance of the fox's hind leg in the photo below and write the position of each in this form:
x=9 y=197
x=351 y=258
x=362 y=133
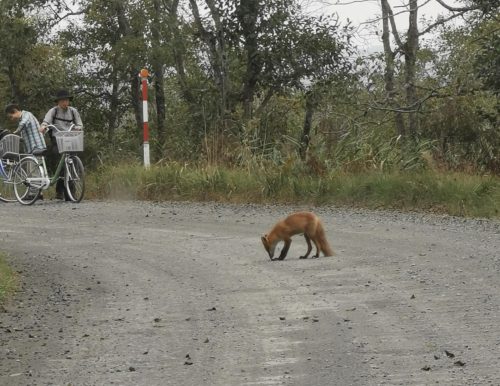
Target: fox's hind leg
x=317 y=249
x=309 y=247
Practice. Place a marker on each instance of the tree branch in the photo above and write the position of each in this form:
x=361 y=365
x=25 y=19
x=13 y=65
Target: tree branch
x=76 y=13
x=329 y=3
x=370 y=21
x=456 y=9
x=440 y=22
x=59 y=18
x=415 y=107
x=393 y=26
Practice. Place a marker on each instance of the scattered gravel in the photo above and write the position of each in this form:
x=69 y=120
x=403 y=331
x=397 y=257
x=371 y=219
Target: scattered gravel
x=138 y=293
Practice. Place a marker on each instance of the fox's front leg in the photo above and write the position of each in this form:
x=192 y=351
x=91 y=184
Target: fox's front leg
x=285 y=249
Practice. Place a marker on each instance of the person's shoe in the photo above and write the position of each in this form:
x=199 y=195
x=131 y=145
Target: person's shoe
x=60 y=189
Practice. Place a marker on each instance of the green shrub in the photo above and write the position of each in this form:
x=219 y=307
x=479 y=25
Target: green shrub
x=7 y=279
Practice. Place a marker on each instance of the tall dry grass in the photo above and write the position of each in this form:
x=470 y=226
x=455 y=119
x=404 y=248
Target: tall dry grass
x=452 y=193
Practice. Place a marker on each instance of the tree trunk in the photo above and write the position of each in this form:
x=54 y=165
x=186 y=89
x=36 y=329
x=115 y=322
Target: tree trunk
x=125 y=31
x=178 y=52
x=247 y=16
x=159 y=86
x=225 y=87
x=158 y=66
x=135 y=98
x=211 y=42
x=389 y=56
x=113 y=105
x=15 y=92
x=306 y=132
x=410 y=52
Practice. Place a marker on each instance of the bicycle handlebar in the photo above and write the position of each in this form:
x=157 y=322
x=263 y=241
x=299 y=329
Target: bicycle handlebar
x=50 y=127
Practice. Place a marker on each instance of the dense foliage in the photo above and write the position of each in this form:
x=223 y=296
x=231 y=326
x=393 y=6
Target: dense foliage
x=251 y=82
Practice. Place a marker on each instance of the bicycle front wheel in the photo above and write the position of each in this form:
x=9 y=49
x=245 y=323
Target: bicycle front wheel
x=74 y=178
x=7 y=193
x=27 y=193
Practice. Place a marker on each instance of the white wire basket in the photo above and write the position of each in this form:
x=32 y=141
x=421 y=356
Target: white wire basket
x=69 y=141
x=9 y=145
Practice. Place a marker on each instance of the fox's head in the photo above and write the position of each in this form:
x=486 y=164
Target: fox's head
x=269 y=246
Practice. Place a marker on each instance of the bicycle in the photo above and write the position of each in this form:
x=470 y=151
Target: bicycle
x=9 y=159
x=31 y=176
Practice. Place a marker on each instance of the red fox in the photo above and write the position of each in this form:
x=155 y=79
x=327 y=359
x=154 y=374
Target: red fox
x=305 y=223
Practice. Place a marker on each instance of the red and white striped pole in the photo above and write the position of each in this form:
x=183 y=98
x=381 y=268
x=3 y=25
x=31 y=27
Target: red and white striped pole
x=144 y=80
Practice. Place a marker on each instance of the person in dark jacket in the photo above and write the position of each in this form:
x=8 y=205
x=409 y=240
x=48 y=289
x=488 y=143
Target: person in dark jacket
x=62 y=116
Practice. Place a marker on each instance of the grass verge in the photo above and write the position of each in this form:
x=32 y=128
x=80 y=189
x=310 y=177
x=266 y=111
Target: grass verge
x=8 y=280
x=451 y=193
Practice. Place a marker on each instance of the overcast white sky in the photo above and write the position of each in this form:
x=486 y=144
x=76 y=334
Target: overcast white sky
x=359 y=12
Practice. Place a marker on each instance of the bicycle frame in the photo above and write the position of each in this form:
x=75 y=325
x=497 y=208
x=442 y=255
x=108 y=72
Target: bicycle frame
x=45 y=182
x=12 y=161
x=7 y=166
x=59 y=168
x=36 y=176
x=6 y=176
x=2 y=170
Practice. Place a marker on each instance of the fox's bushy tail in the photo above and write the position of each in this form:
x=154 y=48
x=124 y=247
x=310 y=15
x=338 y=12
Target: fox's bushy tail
x=323 y=242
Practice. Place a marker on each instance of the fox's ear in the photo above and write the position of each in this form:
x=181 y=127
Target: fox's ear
x=264 y=239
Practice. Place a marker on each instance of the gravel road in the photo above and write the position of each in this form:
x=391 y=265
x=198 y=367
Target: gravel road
x=135 y=293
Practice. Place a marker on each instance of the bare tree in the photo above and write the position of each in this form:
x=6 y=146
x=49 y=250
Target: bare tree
x=113 y=102
x=125 y=30
x=410 y=52
x=224 y=84
x=248 y=13
x=215 y=42
x=178 y=51
x=409 y=49
x=389 y=56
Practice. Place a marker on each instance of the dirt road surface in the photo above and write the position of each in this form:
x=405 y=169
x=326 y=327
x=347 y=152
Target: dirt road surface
x=134 y=293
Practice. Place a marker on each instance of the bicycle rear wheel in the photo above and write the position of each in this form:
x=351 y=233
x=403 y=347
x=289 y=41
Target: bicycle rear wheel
x=27 y=193
x=7 y=193
x=74 y=178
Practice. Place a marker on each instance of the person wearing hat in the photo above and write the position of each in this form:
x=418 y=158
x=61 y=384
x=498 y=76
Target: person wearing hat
x=62 y=116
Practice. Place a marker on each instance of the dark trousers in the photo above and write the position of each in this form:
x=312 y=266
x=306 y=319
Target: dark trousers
x=53 y=158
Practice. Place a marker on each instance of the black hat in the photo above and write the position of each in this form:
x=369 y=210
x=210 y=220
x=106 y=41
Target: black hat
x=62 y=94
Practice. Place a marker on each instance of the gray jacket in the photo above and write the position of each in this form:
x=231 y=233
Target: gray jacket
x=63 y=119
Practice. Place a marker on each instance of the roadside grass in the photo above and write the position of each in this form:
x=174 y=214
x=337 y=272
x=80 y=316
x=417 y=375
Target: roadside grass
x=451 y=193
x=8 y=280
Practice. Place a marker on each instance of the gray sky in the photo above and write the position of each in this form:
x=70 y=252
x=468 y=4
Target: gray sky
x=360 y=12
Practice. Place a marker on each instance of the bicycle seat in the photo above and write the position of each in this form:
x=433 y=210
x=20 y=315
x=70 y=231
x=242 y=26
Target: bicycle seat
x=40 y=152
